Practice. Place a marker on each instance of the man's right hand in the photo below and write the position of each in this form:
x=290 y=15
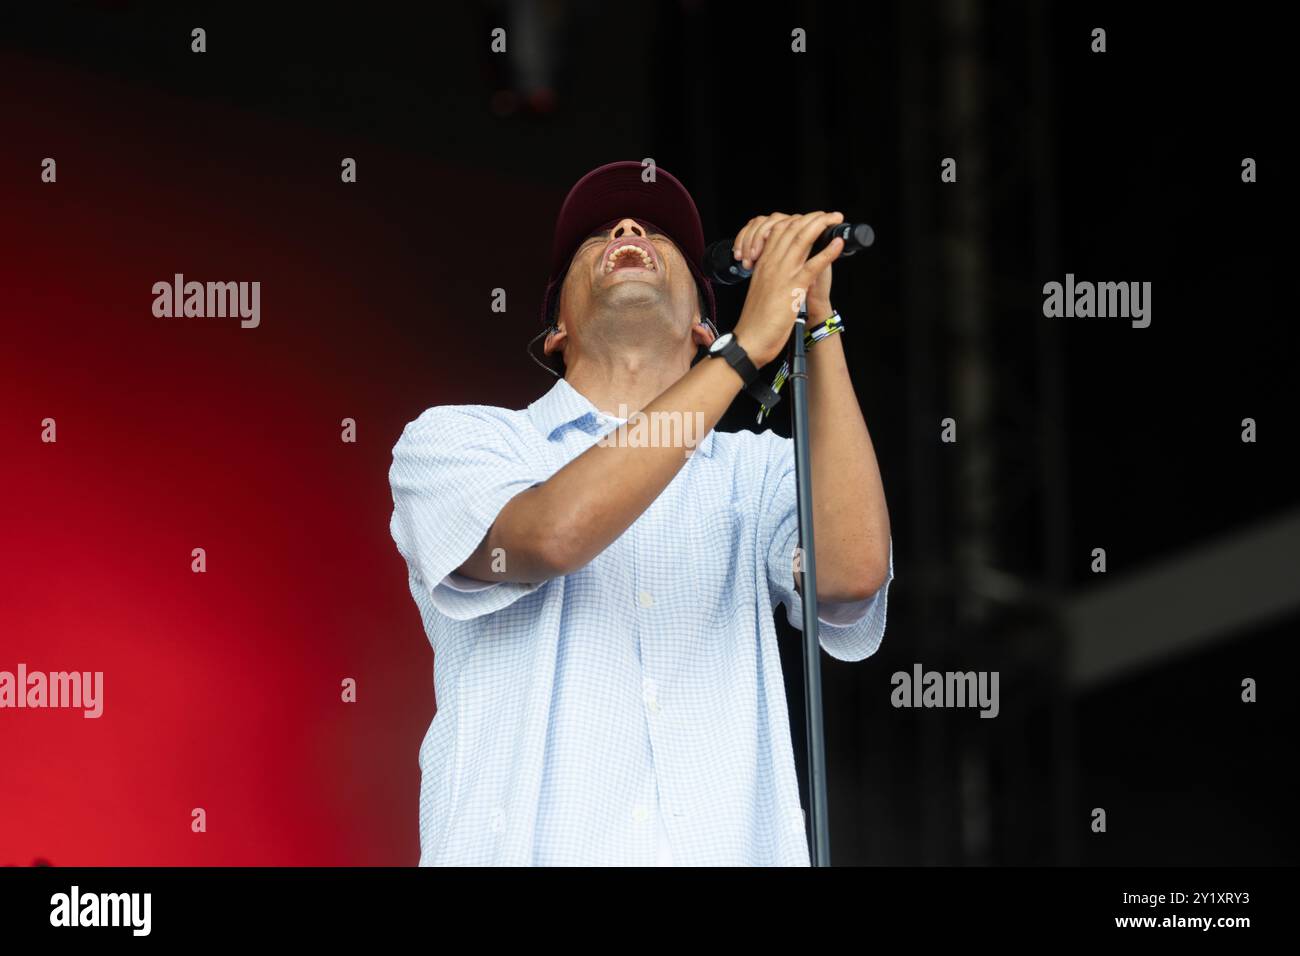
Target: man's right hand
x=779 y=245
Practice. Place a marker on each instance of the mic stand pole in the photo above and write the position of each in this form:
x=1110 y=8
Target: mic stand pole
x=812 y=675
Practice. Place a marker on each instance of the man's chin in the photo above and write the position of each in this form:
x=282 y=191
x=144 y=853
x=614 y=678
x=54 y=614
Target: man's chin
x=632 y=293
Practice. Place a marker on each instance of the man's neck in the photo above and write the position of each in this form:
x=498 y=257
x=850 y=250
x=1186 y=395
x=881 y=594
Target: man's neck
x=625 y=383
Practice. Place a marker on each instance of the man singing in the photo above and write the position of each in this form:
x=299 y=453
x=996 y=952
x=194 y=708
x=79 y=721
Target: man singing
x=606 y=667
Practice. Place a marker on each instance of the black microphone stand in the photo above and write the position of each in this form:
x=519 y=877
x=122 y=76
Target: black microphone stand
x=812 y=675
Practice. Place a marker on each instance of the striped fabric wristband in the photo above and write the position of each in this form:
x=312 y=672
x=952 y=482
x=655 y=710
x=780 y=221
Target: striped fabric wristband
x=832 y=326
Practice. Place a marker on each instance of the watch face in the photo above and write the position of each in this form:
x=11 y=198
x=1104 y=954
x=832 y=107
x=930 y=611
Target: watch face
x=720 y=344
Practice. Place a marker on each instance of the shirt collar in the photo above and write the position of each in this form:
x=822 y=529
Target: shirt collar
x=564 y=405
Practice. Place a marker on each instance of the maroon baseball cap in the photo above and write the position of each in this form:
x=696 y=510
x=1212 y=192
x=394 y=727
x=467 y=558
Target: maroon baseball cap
x=616 y=191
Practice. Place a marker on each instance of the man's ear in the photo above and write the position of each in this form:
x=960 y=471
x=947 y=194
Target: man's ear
x=702 y=334
x=556 y=340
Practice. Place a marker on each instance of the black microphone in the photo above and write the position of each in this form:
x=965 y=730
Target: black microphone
x=724 y=269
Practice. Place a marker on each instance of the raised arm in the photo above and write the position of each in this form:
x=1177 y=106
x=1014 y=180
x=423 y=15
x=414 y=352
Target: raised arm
x=849 y=508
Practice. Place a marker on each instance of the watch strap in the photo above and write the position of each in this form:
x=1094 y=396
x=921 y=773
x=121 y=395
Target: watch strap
x=735 y=355
x=766 y=396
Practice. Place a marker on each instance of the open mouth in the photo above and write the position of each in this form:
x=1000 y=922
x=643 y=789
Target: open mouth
x=629 y=254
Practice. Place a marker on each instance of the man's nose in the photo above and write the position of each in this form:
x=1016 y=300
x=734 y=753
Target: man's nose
x=626 y=228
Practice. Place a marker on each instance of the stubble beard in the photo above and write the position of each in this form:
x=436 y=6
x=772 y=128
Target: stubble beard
x=633 y=313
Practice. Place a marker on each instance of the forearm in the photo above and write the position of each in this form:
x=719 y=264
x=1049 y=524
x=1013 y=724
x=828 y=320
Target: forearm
x=849 y=509
x=561 y=525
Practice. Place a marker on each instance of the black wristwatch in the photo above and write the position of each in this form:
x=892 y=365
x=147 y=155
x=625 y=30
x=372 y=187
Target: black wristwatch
x=726 y=347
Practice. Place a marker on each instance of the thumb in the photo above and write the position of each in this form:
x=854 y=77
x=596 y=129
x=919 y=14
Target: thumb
x=818 y=263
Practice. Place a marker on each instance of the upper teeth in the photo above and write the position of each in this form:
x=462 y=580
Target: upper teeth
x=646 y=260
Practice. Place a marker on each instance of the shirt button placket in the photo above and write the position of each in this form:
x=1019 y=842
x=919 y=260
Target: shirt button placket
x=641 y=813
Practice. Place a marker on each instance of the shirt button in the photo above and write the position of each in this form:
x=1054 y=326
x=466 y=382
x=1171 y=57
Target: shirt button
x=640 y=814
x=649 y=694
x=496 y=820
x=645 y=599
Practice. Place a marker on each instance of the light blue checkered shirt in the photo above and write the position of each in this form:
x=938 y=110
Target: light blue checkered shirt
x=642 y=695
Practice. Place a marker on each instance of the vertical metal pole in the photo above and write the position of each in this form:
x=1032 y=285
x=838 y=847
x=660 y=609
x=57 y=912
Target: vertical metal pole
x=812 y=674
x=974 y=395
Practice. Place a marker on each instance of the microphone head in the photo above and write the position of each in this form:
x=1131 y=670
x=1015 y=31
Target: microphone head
x=722 y=267
x=856 y=236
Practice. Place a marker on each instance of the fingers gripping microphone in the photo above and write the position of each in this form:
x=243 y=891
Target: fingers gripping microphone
x=724 y=269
